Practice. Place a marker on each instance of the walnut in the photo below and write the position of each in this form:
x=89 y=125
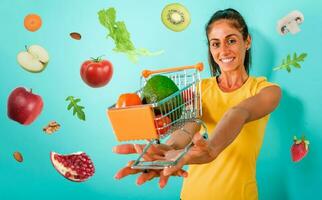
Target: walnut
x=52 y=127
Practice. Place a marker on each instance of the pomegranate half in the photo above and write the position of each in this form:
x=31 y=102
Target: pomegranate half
x=76 y=167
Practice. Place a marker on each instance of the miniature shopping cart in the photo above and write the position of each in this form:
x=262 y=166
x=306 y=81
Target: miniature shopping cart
x=155 y=122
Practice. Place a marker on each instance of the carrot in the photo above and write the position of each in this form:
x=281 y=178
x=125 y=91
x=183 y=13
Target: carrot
x=32 y=22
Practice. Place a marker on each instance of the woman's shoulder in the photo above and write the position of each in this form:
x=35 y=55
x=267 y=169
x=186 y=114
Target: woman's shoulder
x=208 y=81
x=260 y=82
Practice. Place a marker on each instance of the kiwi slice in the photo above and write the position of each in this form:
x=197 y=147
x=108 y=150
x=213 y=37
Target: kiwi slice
x=175 y=16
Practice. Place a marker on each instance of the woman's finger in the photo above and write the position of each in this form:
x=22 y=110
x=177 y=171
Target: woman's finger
x=173 y=169
x=125 y=171
x=160 y=149
x=144 y=177
x=152 y=153
x=198 y=140
x=182 y=173
x=124 y=149
x=163 y=180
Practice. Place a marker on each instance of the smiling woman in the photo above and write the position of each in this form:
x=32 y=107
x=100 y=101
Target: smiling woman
x=237 y=40
x=236 y=109
x=229 y=46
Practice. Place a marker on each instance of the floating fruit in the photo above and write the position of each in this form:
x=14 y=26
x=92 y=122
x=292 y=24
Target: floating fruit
x=76 y=167
x=299 y=149
x=34 y=59
x=32 y=22
x=175 y=17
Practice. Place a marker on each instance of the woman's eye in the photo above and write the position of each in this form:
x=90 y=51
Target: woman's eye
x=215 y=44
x=231 y=41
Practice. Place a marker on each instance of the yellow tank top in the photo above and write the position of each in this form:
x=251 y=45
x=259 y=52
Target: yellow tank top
x=232 y=175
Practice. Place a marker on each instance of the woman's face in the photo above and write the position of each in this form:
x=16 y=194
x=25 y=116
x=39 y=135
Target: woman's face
x=227 y=46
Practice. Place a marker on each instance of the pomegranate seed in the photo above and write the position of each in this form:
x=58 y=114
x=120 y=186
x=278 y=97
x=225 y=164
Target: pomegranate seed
x=69 y=164
x=68 y=174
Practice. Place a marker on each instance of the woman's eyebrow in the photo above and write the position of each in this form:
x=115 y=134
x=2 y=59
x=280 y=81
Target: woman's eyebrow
x=227 y=36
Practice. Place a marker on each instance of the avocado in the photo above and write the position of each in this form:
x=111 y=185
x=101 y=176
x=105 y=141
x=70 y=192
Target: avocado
x=159 y=87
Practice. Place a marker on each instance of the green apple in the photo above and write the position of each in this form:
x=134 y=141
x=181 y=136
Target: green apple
x=34 y=59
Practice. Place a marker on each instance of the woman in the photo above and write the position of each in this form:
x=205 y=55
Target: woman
x=236 y=109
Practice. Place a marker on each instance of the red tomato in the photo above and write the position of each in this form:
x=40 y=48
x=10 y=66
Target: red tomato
x=162 y=124
x=128 y=99
x=188 y=96
x=96 y=72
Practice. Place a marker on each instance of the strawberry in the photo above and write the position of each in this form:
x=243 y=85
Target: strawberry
x=299 y=149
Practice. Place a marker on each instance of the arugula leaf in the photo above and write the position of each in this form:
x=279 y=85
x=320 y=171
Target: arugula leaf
x=77 y=108
x=118 y=32
x=288 y=62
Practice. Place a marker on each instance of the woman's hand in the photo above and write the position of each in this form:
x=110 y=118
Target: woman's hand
x=200 y=153
x=155 y=152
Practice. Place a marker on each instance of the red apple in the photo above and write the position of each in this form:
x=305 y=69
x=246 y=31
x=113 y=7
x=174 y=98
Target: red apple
x=24 y=106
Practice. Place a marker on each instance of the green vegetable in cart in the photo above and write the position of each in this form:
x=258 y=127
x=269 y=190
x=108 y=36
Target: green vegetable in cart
x=121 y=37
x=77 y=109
x=158 y=88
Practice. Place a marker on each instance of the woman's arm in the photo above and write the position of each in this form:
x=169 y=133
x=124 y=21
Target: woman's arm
x=248 y=110
x=229 y=126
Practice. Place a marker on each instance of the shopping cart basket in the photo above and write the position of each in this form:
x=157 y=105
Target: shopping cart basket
x=155 y=122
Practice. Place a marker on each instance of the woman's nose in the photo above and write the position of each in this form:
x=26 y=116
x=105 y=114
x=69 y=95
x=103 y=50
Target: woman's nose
x=224 y=48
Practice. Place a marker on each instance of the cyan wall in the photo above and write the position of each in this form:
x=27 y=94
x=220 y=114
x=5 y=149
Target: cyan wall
x=299 y=112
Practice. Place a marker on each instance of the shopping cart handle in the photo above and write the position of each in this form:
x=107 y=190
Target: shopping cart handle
x=147 y=73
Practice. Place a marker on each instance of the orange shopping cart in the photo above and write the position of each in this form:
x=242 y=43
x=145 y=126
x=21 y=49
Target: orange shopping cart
x=139 y=122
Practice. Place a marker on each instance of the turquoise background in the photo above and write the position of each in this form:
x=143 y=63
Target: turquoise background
x=299 y=111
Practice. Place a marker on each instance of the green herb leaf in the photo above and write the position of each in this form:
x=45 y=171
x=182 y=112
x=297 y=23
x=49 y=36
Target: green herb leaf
x=69 y=106
x=288 y=58
x=77 y=109
x=302 y=56
x=295 y=64
x=288 y=62
x=288 y=68
x=121 y=37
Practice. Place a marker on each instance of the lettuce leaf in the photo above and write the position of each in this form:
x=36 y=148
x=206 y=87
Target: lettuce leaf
x=121 y=37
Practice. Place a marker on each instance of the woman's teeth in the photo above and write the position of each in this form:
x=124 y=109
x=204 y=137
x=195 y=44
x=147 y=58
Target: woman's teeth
x=227 y=60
